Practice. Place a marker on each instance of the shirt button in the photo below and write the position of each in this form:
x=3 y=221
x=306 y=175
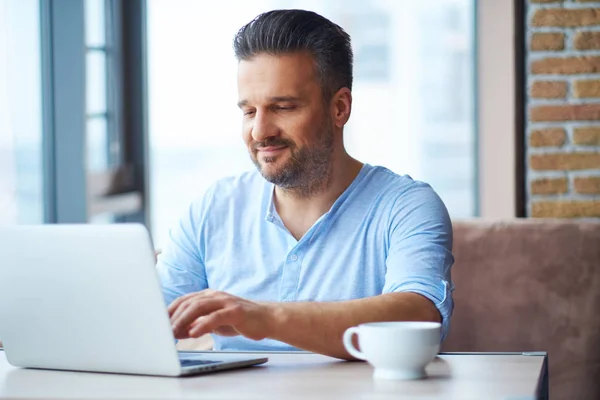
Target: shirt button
x=294 y=257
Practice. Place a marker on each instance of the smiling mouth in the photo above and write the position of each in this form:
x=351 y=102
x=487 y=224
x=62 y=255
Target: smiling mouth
x=270 y=150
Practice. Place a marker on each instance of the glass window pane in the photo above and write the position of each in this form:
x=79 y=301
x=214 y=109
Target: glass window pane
x=413 y=94
x=95 y=23
x=21 y=177
x=96 y=82
x=195 y=153
x=97 y=144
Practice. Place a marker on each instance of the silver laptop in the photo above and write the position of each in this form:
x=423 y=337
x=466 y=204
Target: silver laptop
x=87 y=298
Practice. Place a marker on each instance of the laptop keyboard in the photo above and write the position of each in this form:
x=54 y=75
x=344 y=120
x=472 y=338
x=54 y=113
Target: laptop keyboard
x=188 y=362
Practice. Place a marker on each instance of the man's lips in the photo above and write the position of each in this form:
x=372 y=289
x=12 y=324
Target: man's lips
x=270 y=149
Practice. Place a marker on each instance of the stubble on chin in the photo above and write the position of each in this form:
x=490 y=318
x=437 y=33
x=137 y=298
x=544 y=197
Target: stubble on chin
x=305 y=171
x=274 y=173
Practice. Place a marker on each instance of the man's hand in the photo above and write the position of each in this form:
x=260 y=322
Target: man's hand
x=196 y=314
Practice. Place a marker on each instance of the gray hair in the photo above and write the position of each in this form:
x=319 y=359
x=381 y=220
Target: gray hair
x=288 y=31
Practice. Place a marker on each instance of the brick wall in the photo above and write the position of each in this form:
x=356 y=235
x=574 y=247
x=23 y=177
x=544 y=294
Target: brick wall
x=563 y=102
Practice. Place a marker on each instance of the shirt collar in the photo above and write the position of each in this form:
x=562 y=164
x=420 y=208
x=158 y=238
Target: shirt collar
x=271 y=214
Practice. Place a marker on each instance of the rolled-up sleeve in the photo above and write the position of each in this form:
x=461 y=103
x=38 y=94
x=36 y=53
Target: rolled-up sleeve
x=419 y=257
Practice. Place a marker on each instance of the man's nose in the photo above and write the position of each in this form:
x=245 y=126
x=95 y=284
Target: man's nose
x=263 y=127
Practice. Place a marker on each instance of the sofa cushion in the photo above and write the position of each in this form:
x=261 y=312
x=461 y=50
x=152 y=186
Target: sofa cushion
x=531 y=285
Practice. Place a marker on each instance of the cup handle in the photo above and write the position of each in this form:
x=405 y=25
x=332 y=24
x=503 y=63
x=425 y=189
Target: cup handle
x=350 y=346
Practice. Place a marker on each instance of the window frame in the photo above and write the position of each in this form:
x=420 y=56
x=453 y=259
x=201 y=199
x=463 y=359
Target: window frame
x=71 y=193
x=500 y=108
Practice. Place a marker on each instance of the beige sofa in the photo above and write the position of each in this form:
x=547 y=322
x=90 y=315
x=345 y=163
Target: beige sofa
x=531 y=285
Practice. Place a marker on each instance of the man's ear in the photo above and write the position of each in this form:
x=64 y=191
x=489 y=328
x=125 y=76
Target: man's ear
x=341 y=106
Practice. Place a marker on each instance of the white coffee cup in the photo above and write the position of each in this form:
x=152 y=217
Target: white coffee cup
x=397 y=350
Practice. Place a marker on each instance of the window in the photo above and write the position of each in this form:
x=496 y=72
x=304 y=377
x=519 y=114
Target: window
x=98 y=149
x=114 y=186
x=413 y=108
x=21 y=176
x=72 y=111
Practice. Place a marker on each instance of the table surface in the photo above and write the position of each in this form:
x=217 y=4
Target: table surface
x=296 y=376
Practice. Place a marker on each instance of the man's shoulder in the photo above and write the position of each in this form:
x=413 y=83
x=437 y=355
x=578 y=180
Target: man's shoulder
x=392 y=185
x=402 y=197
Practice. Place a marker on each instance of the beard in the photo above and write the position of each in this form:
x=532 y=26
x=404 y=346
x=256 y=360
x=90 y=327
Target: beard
x=306 y=170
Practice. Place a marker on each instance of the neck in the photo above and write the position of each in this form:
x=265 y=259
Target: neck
x=306 y=205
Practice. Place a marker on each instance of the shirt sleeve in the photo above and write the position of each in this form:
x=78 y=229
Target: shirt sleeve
x=420 y=257
x=180 y=267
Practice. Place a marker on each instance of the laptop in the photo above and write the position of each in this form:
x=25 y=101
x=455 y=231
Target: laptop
x=87 y=298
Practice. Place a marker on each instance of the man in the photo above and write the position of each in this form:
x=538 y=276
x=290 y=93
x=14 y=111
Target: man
x=314 y=241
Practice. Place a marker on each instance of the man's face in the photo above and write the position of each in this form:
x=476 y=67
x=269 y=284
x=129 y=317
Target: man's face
x=285 y=120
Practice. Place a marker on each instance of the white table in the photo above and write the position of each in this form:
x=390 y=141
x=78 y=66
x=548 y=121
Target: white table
x=513 y=376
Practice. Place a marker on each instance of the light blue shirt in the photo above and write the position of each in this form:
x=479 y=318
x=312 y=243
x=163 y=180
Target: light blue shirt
x=385 y=233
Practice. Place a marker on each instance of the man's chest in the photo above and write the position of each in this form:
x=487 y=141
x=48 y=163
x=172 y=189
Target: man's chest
x=331 y=262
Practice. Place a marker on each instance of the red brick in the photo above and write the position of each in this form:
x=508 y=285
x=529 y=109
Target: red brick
x=587 y=136
x=587 y=185
x=587 y=41
x=549 y=186
x=566 y=65
x=549 y=137
x=587 y=88
x=566 y=17
x=549 y=89
x=564 y=161
x=565 y=209
x=541 y=41
x=568 y=112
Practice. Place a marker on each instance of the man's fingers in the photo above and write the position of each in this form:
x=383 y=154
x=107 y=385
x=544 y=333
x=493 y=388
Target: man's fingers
x=209 y=323
x=196 y=309
x=175 y=304
x=184 y=306
x=180 y=310
x=190 y=300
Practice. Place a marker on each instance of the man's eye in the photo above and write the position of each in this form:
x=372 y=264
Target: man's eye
x=248 y=113
x=285 y=108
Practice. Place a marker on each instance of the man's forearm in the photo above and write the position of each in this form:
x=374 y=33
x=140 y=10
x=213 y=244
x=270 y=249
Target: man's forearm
x=319 y=326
